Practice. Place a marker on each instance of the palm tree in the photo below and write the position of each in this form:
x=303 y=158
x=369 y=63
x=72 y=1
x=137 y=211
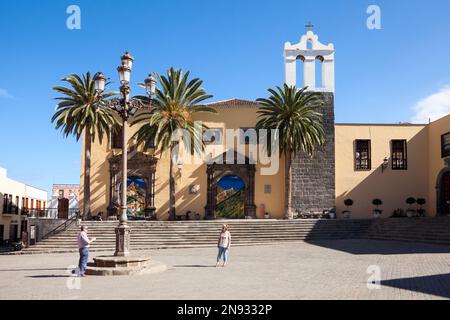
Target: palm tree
x=81 y=109
x=172 y=111
x=296 y=115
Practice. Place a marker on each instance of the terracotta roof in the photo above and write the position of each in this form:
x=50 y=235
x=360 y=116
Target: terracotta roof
x=232 y=103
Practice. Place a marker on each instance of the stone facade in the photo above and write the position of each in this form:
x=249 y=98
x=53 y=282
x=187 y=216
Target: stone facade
x=313 y=178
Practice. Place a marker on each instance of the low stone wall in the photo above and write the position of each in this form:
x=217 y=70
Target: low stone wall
x=42 y=227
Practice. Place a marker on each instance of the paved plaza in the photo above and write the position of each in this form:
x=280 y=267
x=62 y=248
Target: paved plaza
x=317 y=270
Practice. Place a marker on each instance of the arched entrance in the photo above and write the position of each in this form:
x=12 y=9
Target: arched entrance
x=443 y=192
x=231 y=168
x=140 y=185
x=230 y=198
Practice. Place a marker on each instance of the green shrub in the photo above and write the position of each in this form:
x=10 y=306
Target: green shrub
x=348 y=202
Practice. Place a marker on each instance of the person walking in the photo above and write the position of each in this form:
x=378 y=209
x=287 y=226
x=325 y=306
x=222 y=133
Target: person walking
x=83 y=246
x=223 y=245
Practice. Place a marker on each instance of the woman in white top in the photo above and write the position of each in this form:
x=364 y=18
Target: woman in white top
x=223 y=244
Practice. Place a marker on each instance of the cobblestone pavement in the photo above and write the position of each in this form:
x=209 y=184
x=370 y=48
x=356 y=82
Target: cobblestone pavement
x=319 y=270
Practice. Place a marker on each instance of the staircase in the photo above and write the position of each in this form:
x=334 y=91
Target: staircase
x=147 y=235
x=420 y=230
x=189 y=234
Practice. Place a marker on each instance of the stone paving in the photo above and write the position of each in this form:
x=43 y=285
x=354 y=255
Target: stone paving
x=318 y=270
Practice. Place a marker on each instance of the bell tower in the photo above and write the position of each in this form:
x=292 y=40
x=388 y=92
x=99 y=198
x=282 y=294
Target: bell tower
x=308 y=50
x=313 y=188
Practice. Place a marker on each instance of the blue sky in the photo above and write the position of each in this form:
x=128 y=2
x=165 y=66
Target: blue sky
x=235 y=46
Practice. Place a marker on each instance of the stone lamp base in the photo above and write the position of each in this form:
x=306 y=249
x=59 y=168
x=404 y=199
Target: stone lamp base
x=124 y=266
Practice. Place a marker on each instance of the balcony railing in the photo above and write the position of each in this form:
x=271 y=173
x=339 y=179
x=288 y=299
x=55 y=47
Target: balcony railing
x=51 y=213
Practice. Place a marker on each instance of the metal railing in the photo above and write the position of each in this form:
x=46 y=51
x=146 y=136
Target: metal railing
x=62 y=227
x=51 y=213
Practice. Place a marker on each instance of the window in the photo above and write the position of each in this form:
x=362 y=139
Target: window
x=445 y=145
x=362 y=155
x=17 y=205
x=5 y=203
x=213 y=136
x=116 y=139
x=268 y=189
x=10 y=204
x=32 y=204
x=398 y=155
x=247 y=135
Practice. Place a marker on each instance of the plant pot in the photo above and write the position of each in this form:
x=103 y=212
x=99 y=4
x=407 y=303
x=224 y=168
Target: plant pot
x=332 y=215
x=346 y=214
x=267 y=216
x=376 y=214
x=410 y=213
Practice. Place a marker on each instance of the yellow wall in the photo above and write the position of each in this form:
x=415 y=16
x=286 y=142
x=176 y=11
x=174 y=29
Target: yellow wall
x=391 y=186
x=191 y=174
x=436 y=163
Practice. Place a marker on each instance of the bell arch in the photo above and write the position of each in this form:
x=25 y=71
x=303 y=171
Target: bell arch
x=309 y=48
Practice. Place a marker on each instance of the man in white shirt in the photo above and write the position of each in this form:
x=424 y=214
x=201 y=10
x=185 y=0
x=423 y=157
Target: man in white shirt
x=83 y=246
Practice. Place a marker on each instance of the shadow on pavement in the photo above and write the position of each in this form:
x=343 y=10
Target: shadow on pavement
x=44 y=269
x=438 y=285
x=194 y=266
x=367 y=247
x=50 y=276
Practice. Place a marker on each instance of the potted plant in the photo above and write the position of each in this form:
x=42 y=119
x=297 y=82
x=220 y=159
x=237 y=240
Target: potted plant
x=398 y=213
x=267 y=215
x=332 y=213
x=420 y=211
x=410 y=212
x=348 y=203
x=377 y=212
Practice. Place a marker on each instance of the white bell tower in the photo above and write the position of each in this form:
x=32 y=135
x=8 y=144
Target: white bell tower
x=309 y=49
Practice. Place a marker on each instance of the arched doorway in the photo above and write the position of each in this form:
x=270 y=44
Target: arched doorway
x=443 y=192
x=141 y=173
x=224 y=172
x=230 y=198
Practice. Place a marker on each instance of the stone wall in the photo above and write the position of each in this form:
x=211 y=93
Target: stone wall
x=313 y=178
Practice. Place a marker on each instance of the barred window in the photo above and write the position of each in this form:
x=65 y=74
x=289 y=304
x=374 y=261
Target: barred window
x=399 y=155
x=362 y=155
x=445 y=145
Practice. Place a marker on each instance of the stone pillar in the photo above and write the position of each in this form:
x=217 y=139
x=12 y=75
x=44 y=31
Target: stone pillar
x=309 y=72
x=328 y=75
x=290 y=65
x=250 y=207
x=122 y=241
x=211 y=193
x=150 y=196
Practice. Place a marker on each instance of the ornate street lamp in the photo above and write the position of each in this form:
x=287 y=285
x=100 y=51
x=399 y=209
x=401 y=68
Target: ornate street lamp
x=126 y=108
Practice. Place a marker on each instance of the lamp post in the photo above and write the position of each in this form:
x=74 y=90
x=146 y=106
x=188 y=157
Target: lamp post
x=126 y=108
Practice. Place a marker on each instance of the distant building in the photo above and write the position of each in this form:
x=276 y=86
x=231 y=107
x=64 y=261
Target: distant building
x=17 y=201
x=64 y=201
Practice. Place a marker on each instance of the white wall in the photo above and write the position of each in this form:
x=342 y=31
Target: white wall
x=17 y=189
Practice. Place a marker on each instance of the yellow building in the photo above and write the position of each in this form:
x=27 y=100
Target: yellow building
x=402 y=161
x=360 y=162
